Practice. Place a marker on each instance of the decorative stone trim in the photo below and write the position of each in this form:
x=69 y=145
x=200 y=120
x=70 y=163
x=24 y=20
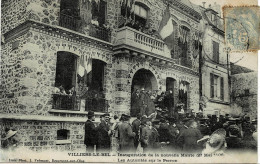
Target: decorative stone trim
x=219 y=101
x=58 y=32
x=43 y=118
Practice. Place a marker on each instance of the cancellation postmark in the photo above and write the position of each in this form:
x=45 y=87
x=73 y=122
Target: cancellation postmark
x=242 y=28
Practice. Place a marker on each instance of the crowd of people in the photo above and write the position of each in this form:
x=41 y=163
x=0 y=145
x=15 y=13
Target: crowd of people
x=187 y=133
x=148 y=103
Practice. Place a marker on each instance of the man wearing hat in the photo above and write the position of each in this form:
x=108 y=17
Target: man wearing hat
x=190 y=137
x=10 y=141
x=136 y=128
x=90 y=132
x=173 y=133
x=126 y=135
x=104 y=134
x=150 y=136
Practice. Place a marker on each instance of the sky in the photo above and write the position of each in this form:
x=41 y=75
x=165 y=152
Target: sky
x=249 y=59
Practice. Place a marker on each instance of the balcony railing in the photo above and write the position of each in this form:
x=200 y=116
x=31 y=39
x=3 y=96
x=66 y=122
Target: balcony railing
x=133 y=38
x=100 y=33
x=64 y=102
x=69 y=102
x=70 y=22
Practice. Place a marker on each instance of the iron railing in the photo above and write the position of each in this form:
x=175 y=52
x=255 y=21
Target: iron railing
x=68 y=102
x=100 y=32
x=64 y=102
x=70 y=22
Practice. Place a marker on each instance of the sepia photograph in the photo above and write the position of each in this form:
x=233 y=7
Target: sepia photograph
x=129 y=81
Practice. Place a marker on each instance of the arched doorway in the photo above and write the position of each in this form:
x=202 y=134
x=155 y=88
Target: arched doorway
x=143 y=79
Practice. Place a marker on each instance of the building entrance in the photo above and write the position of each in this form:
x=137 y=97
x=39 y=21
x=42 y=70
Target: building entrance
x=144 y=84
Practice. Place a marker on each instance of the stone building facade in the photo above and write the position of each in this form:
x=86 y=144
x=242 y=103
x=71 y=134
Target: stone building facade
x=244 y=93
x=215 y=85
x=41 y=34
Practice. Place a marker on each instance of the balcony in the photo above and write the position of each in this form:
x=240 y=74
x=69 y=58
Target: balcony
x=64 y=102
x=100 y=33
x=130 y=37
x=74 y=23
x=71 y=103
x=70 y=22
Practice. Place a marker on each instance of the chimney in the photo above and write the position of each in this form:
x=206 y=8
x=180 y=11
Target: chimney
x=203 y=4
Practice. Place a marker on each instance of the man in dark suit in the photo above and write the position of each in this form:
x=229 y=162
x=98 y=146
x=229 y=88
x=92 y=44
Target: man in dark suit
x=126 y=135
x=190 y=137
x=104 y=134
x=90 y=132
x=136 y=128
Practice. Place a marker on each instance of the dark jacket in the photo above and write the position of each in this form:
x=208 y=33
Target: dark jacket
x=103 y=137
x=136 y=126
x=126 y=137
x=150 y=137
x=90 y=134
x=190 y=137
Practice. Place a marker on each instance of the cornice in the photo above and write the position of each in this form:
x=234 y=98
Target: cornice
x=154 y=59
x=55 y=31
x=186 y=10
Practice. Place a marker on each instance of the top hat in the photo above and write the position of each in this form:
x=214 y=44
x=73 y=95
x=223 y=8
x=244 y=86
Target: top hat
x=9 y=134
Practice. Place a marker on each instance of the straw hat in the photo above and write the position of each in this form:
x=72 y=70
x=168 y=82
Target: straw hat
x=217 y=139
x=9 y=134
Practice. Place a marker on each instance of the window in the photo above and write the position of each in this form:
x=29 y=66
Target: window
x=175 y=43
x=246 y=92
x=69 y=14
x=216 y=52
x=95 y=97
x=99 y=11
x=183 y=93
x=66 y=70
x=216 y=87
x=63 y=134
x=65 y=81
x=141 y=15
x=222 y=88
x=140 y=11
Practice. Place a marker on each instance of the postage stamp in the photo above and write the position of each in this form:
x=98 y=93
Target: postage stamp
x=242 y=28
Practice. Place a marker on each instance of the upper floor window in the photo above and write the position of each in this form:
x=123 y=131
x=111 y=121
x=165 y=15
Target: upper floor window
x=216 y=51
x=69 y=14
x=141 y=15
x=216 y=87
x=246 y=92
x=99 y=12
x=141 y=11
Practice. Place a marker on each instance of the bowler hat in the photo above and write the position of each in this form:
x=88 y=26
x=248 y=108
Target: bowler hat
x=91 y=113
x=106 y=114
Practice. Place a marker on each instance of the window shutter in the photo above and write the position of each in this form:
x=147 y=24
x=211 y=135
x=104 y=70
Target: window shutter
x=216 y=51
x=211 y=85
x=222 y=88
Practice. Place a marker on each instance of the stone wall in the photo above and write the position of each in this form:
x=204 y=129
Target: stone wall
x=247 y=102
x=29 y=71
x=127 y=67
x=15 y=12
x=42 y=135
